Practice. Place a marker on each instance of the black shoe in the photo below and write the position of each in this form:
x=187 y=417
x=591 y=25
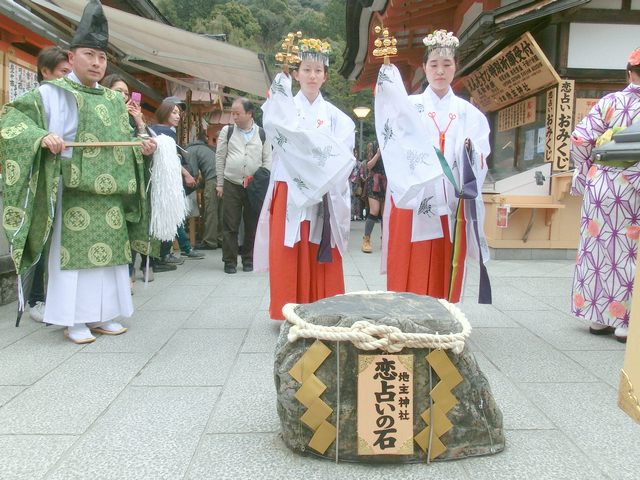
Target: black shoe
x=163 y=267
x=228 y=268
x=205 y=246
x=247 y=267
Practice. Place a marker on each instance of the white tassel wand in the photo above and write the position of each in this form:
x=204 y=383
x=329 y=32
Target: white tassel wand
x=168 y=202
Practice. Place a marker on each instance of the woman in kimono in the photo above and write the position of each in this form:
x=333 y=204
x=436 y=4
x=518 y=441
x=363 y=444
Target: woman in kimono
x=304 y=224
x=610 y=218
x=434 y=225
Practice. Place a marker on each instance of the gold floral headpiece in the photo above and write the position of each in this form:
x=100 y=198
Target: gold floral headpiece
x=314 y=49
x=445 y=42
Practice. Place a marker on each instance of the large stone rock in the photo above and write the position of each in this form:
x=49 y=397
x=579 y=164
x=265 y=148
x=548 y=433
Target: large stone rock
x=476 y=419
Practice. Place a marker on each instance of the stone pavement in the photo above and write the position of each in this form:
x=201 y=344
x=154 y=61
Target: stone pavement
x=188 y=392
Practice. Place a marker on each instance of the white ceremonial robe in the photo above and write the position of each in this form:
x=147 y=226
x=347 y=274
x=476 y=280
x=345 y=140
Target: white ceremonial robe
x=408 y=134
x=313 y=153
x=78 y=296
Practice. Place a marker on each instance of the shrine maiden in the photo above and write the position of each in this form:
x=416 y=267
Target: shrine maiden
x=304 y=224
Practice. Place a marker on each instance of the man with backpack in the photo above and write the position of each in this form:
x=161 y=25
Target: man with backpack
x=241 y=150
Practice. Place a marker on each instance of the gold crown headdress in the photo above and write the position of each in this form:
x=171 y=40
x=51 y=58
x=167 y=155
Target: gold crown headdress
x=445 y=42
x=315 y=49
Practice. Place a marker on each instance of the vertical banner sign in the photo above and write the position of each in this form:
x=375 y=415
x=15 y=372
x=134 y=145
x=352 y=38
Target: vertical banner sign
x=385 y=404
x=564 y=125
x=549 y=124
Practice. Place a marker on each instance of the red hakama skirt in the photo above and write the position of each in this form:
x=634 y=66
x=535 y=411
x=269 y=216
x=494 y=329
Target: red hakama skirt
x=429 y=267
x=295 y=276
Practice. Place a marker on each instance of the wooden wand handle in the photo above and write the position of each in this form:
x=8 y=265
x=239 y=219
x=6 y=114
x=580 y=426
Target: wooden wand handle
x=102 y=144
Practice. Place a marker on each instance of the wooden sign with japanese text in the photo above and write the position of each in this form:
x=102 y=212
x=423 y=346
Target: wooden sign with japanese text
x=564 y=125
x=517 y=72
x=517 y=115
x=385 y=404
x=549 y=124
x=583 y=106
x=21 y=77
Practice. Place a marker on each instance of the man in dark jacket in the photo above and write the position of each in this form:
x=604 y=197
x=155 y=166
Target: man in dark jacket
x=202 y=158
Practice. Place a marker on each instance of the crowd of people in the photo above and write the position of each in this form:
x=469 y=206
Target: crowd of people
x=283 y=197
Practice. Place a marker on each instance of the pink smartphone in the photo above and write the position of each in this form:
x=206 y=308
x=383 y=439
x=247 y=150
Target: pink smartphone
x=136 y=97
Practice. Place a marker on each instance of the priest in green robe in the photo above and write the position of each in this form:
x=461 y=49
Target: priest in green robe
x=87 y=203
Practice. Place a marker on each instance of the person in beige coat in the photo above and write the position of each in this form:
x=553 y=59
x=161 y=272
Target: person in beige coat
x=240 y=153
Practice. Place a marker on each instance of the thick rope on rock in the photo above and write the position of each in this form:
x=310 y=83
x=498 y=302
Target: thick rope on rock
x=168 y=203
x=368 y=336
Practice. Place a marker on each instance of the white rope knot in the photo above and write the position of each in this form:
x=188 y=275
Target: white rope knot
x=365 y=335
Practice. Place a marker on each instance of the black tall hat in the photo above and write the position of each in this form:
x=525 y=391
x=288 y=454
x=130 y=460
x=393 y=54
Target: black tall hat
x=93 y=29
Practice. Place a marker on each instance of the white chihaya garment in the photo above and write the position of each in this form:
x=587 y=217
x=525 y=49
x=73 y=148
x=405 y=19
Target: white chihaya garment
x=313 y=153
x=408 y=130
x=87 y=295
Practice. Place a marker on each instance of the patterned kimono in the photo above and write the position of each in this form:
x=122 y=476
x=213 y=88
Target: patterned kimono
x=435 y=221
x=610 y=218
x=90 y=201
x=312 y=159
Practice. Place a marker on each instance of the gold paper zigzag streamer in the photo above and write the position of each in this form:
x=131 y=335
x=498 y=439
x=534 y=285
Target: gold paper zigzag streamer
x=442 y=401
x=309 y=395
x=627 y=400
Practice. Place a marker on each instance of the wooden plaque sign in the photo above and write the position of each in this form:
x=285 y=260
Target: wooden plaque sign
x=564 y=125
x=21 y=77
x=517 y=72
x=385 y=405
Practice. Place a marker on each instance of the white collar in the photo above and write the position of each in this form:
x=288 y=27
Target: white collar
x=434 y=96
x=74 y=78
x=305 y=101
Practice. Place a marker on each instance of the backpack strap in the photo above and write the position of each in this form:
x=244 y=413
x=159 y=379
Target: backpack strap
x=229 y=131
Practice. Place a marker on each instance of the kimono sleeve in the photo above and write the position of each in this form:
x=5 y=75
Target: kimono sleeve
x=583 y=139
x=29 y=185
x=314 y=159
x=410 y=162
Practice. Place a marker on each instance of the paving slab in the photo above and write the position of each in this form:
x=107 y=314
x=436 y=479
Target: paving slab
x=248 y=402
x=195 y=357
x=224 y=312
x=518 y=412
x=225 y=456
x=7 y=393
x=563 y=331
x=262 y=335
x=604 y=364
x=20 y=364
x=147 y=433
x=148 y=331
x=524 y=357
x=541 y=454
x=29 y=457
x=587 y=415
x=178 y=298
x=70 y=398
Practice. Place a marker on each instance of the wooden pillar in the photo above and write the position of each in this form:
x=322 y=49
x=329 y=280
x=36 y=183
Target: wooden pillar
x=629 y=390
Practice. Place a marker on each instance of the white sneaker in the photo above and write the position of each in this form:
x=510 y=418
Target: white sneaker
x=108 y=328
x=37 y=312
x=79 y=334
x=621 y=334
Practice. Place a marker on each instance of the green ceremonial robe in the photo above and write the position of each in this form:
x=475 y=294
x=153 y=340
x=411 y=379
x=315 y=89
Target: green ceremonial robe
x=104 y=205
